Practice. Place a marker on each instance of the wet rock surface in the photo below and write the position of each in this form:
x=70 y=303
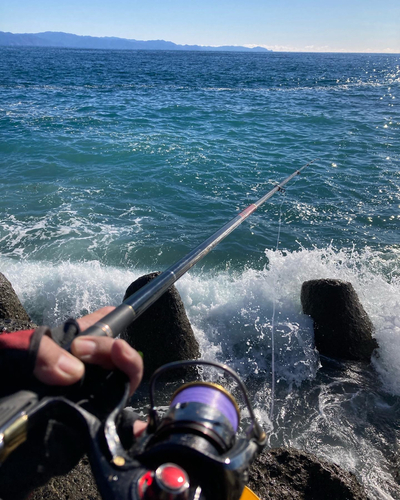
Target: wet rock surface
x=13 y=316
x=14 y=325
x=78 y=484
x=286 y=473
x=342 y=327
x=278 y=474
x=162 y=333
x=10 y=305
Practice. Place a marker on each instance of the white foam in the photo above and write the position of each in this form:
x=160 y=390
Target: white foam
x=53 y=292
x=374 y=276
x=231 y=313
x=235 y=313
x=60 y=228
x=231 y=316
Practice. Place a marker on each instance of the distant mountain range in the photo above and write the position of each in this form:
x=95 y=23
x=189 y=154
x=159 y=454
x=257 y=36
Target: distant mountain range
x=67 y=40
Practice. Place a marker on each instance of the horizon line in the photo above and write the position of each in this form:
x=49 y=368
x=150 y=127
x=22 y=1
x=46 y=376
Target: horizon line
x=271 y=48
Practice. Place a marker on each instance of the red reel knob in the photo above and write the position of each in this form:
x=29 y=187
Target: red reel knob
x=169 y=482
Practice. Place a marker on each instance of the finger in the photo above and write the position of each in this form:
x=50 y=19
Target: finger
x=91 y=319
x=109 y=354
x=94 y=350
x=55 y=366
x=129 y=361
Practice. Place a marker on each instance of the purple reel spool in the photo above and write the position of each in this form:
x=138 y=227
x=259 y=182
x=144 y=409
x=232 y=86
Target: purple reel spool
x=210 y=394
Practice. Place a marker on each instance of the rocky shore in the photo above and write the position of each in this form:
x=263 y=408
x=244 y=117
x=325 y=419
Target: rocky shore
x=277 y=474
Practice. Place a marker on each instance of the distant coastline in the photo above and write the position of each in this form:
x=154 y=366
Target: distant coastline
x=68 y=40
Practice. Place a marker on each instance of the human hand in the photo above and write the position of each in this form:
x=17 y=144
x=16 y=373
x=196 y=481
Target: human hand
x=56 y=366
x=55 y=448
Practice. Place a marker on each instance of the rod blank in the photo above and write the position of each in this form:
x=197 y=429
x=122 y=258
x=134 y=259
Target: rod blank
x=116 y=321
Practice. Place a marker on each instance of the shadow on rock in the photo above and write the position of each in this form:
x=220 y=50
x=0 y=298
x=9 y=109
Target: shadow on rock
x=162 y=333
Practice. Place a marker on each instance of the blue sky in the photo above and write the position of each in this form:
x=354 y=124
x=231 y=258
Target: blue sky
x=288 y=25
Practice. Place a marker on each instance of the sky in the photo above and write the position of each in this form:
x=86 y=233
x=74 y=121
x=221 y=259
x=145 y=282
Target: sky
x=280 y=25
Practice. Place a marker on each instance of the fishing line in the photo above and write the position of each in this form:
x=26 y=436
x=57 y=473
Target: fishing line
x=136 y=304
x=273 y=377
x=271 y=411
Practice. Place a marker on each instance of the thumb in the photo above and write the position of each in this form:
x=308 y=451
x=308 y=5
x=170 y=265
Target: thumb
x=56 y=366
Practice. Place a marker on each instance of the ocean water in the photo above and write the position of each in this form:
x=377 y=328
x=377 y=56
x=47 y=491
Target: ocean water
x=115 y=164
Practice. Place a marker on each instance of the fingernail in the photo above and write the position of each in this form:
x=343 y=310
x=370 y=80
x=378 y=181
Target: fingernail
x=84 y=348
x=70 y=365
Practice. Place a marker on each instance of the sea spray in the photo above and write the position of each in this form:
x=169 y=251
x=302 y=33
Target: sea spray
x=333 y=412
x=232 y=311
x=53 y=292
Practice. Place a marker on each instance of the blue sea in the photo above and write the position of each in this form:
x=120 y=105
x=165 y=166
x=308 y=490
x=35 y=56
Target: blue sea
x=118 y=163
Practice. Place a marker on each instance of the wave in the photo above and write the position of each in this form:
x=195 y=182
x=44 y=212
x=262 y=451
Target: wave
x=231 y=311
x=344 y=413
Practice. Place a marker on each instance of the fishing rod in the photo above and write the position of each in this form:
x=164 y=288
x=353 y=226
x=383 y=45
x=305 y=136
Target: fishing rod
x=199 y=432
x=119 y=319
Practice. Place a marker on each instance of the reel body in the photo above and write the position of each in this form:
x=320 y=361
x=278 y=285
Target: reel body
x=192 y=453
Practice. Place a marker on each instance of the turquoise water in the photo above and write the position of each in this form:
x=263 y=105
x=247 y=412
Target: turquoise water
x=115 y=164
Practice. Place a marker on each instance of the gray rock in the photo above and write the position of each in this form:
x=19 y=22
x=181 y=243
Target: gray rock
x=10 y=305
x=279 y=474
x=162 y=333
x=342 y=327
x=14 y=325
x=285 y=473
x=78 y=484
